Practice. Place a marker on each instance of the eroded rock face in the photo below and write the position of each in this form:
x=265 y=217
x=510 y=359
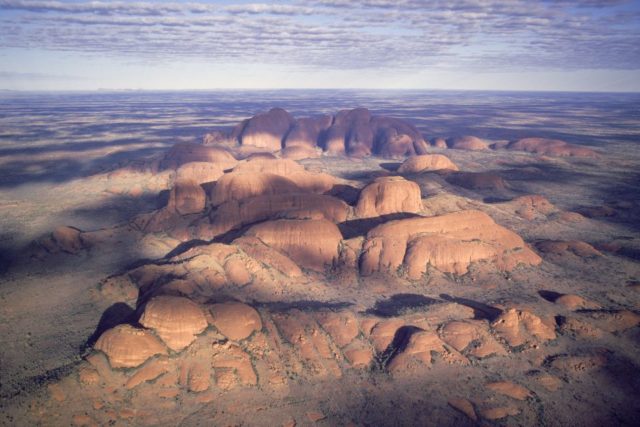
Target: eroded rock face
x=448 y=242
x=128 y=347
x=469 y=143
x=388 y=195
x=267 y=130
x=311 y=243
x=427 y=162
x=550 y=147
x=177 y=320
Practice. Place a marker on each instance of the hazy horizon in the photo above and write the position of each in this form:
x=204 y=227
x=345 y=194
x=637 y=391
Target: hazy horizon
x=574 y=46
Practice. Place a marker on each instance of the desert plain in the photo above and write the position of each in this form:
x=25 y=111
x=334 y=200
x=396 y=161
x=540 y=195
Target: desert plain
x=319 y=258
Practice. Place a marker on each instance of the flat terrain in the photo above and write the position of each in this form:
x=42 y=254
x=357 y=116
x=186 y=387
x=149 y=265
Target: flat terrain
x=62 y=157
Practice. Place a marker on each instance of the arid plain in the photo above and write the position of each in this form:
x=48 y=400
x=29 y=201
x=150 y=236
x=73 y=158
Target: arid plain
x=444 y=258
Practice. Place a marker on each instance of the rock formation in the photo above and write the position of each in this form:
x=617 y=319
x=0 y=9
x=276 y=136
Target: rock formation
x=186 y=152
x=470 y=143
x=176 y=320
x=449 y=243
x=128 y=347
x=550 y=147
x=389 y=195
x=267 y=130
x=427 y=162
x=313 y=243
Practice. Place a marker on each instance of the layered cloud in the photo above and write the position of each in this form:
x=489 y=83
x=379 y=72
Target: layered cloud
x=484 y=35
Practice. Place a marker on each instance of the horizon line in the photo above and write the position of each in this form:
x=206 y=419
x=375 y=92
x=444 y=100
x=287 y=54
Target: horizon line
x=44 y=91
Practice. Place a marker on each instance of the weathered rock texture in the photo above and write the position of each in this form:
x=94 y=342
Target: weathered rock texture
x=449 y=243
x=388 y=195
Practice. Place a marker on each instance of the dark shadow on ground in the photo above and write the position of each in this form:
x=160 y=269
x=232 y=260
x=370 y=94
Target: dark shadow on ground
x=399 y=304
x=116 y=314
x=481 y=310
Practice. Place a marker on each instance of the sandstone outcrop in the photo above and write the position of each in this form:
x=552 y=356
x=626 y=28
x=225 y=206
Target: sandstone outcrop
x=306 y=132
x=235 y=320
x=267 y=130
x=551 y=147
x=561 y=247
x=239 y=186
x=176 y=320
x=388 y=195
x=187 y=197
x=187 y=152
x=312 y=244
x=521 y=327
x=236 y=213
x=426 y=162
x=128 y=347
x=449 y=243
x=469 y=143
x=199 y=172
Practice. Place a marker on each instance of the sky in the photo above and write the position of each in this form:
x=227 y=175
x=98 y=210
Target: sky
x=582 y=45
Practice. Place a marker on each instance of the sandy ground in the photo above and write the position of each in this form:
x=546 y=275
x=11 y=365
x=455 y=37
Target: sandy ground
x=49 y=305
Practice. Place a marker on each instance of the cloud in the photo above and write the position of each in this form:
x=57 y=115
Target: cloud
x=485 y=35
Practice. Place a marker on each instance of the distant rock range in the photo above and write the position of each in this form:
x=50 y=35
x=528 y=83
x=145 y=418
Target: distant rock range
x=358 y=133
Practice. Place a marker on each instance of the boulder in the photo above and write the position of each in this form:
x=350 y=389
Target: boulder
x=388 y=195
